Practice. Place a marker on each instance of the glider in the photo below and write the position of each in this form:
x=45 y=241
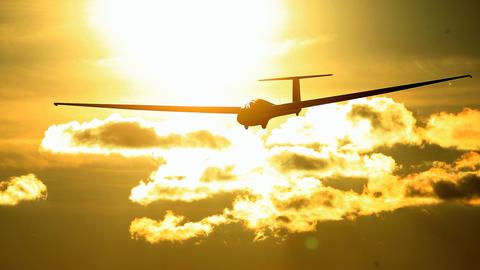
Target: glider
x=258 y=111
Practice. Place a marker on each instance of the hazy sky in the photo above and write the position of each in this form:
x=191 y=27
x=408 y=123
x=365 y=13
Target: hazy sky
x=390 y=182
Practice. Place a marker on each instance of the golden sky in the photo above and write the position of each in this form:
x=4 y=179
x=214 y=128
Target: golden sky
x=385 y=182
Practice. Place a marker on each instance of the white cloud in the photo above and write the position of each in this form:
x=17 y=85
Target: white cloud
x=22 y=188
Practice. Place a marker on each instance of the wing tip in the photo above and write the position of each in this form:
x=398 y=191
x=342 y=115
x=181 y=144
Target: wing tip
x=55 y=103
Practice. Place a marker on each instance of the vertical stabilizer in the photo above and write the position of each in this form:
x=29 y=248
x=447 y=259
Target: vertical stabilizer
x=296 y=97
x=296 y=90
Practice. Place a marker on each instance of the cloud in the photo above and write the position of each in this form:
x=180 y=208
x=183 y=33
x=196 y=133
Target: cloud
x=457 y=181
x=287 y=161
x=192 y=184
x=389 y=121
x=459 y=130
x=170 y=189
x=329 y=162
x=127 y=136
x=218 y=174
x=359 y=125
x=467 y=187
x=117 y=134
x=170 y=228
x=356 y=184
x=22 y=188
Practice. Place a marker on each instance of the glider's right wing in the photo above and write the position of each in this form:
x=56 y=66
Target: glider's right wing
x=333 y=99
x=166 y=108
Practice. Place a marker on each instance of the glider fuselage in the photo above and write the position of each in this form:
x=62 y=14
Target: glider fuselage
x=258 y=112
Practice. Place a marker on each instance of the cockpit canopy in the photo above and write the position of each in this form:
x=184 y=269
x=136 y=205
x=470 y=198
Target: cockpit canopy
x=257 y=104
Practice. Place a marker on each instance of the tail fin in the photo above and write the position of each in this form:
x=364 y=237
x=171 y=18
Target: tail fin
x=295 y=83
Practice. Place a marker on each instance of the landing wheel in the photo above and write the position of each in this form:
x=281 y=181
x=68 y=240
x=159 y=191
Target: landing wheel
x=246 y=127
x=297 y=113
x=264 y=126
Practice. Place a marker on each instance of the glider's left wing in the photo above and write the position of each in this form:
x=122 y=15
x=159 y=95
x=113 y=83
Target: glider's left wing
x=333 y=99
x=165 y=108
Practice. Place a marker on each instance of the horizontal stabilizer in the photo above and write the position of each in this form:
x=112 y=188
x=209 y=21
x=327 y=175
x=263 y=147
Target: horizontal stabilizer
x=295 y=77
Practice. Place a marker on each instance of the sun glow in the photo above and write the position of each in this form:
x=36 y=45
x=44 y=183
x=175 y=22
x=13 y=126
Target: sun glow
x=194 y=49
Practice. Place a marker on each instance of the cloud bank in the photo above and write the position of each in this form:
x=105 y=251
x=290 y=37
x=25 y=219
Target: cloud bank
x=299 y=174
x=22 y=188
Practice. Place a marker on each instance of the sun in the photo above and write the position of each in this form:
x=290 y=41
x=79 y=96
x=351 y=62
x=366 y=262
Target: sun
x=194 y=49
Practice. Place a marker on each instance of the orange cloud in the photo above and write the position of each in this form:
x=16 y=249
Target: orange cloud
x=460 y=130
x=170 y=228
x=458 y=181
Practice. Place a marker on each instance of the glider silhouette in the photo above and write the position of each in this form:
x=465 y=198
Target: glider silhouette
x=258 y=111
